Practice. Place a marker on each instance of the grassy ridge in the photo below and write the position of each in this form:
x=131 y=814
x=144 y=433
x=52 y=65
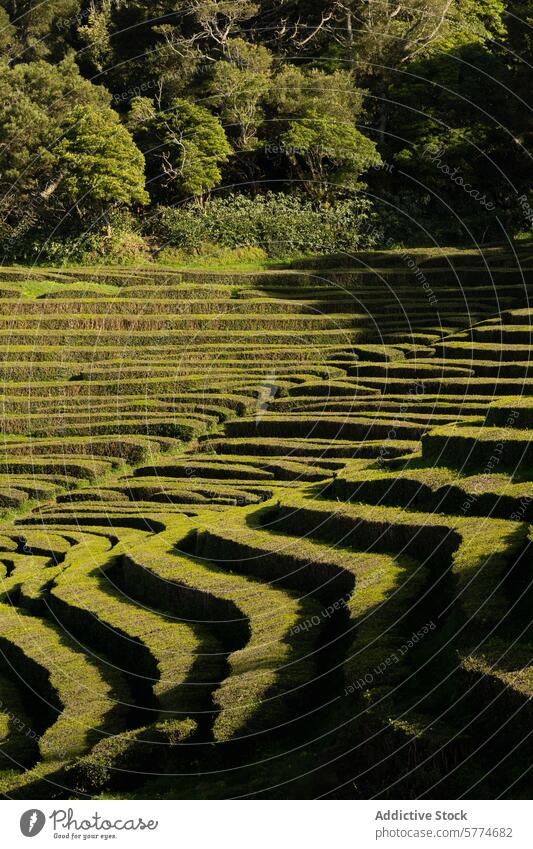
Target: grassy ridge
x=278 y=522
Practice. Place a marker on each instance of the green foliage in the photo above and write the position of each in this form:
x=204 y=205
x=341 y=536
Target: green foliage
x=296 y=92
x=327 y=155
x=35 y=100
x=261 y=96
x=39 y=27
x=280 y=224
x=7 y=33
x=101 y=163
x=239 y=83
x=421 y=28
x=475 y=20
x=314 y=129
x=471 y=148
x=64 y=151
x=185 y=146
x=96 y=33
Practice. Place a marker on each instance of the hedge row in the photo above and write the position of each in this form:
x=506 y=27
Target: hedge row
x=173 y=659
x=131 y=339
x=323 y=427
x=262 y=653
x=437 y=490
x=479 y=447
x=176 y=324
x=78 y=700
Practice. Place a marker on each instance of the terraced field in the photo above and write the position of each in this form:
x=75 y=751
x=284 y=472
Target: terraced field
x=267 y=535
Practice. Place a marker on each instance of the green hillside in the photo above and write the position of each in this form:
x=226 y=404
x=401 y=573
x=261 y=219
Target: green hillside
x=267 y=535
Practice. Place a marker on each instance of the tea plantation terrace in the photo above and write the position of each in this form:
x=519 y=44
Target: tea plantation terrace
x=267 y=535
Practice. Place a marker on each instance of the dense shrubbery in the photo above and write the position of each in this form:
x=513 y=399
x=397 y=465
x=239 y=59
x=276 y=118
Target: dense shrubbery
x=281 y=225
x=235 y=226
x=120 y=242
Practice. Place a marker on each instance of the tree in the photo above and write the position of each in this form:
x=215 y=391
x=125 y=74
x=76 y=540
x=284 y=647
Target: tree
x=283 y=85
x=297 y=91
x=41 y=27
x=96 y=33
x=328 y=156
x=7 y=34
x=99 y=165
x=61 y=146
x=313 y=125
x=462 y=120
x=184 y=146
x=239 y=83
x=305 y=26
x=219 y=20
x=204 y=27
x=35 y=98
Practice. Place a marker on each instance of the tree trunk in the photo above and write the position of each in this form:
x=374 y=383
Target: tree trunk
x=382 y=113
x=52 y=187
x=349 y=27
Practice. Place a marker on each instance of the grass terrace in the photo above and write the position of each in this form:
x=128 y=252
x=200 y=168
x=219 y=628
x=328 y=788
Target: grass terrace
x=267 y=533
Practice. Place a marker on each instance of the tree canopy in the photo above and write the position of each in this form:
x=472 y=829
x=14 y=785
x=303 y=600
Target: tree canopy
x=125 y=104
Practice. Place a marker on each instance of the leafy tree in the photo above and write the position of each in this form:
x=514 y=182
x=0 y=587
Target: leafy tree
x=41 y=27
x=315 y=113
x=96 y=33
x=517 y=51
x=35 y=98
x=297 y=91
x=99 y=165
x=384 y=38
x=328 y=155
x=7 y=34
x=62 y=146
x=239 y=83
x=184 y=146
x=219 y=20
x=290 y=80
x=460 y=116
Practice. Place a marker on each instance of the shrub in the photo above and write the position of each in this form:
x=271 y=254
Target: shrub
x=281 y=225
x=120 y=243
